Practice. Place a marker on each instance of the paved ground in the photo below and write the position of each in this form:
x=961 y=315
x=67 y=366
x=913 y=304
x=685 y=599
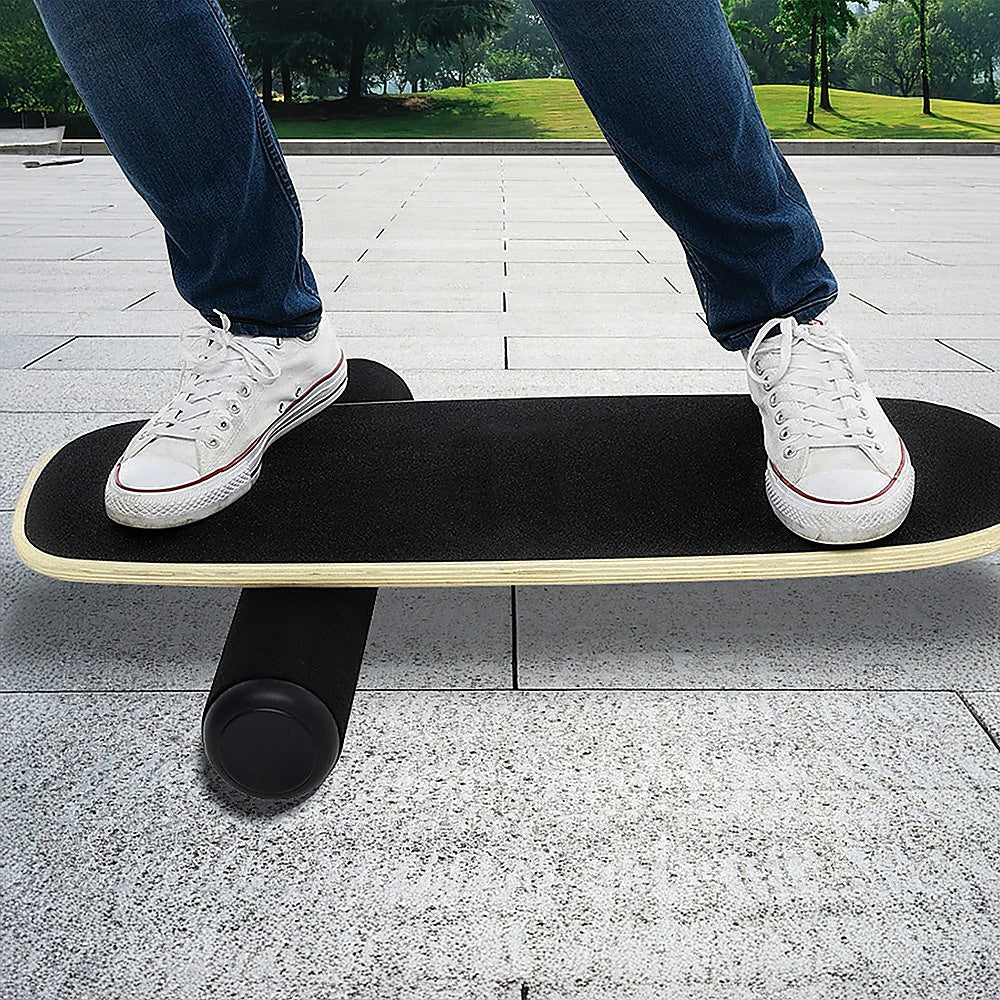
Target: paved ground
x=778 y=789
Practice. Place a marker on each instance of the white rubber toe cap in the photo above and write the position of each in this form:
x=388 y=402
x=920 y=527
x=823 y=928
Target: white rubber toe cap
x=148 y=472
x=834 y=486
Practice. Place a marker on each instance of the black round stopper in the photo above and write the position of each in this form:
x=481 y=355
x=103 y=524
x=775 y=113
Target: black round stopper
x=271 y=738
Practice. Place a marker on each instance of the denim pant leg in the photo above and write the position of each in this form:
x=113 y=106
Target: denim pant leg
x=170 y=93
x=670 y=90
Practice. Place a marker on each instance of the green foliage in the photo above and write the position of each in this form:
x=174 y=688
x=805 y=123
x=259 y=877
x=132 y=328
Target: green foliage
x=524 y=50
x=31 y=76
x=504 y=64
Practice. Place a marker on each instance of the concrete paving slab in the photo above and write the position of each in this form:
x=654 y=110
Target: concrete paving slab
x=986 y=352
x=143 y=353
x=89 y=226
x=932 y=290
x=648 y=323
x=420 y=325
x=917 y=232
x=985 y=706
x=630 y=351
x=619 y=308
x=634 y=276
x=861 y=322
x=866 y=632
x=569 y=251
x=66 y=392
x=459 y=250
x=56 y=635
x=977 y=392
x=406 y=229
x=19 y=352
x=131 y=323
x=952 y=254
x=421 y=286
x=44 y=248
x=623 y=858
x=73 y=301
x=565 y=230
x=605 y=382
x=38 y=324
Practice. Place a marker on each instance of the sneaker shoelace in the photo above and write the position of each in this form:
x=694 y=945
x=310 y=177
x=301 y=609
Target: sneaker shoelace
x=812 y=388
x=219 y=373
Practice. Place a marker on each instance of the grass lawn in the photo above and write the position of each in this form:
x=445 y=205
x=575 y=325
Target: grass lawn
x=553 y=109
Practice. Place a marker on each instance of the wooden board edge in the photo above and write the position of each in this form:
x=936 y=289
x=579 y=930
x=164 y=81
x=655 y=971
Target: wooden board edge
x=666 y=569
x=31 y=557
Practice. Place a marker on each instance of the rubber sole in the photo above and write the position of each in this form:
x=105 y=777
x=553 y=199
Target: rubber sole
x=842 y=524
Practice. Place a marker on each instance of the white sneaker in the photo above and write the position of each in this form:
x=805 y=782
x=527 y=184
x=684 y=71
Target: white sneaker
x=838 y=471
x=237 y=395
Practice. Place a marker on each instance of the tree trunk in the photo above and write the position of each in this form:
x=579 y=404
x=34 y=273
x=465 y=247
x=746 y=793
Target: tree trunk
x=924 y=80
x=358 y=46
x=286 y=82
x=824 y=72
x=267 y=79
x=811 y=112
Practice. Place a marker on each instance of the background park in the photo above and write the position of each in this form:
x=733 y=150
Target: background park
x=489 y=69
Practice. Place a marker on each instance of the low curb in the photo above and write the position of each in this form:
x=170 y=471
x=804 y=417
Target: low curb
x=574 y=147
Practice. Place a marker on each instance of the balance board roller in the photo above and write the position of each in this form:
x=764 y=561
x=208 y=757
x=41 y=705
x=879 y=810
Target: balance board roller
x=382 y=490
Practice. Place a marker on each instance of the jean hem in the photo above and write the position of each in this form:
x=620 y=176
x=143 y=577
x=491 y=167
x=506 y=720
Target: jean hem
x=247 y=328
x=810 y=310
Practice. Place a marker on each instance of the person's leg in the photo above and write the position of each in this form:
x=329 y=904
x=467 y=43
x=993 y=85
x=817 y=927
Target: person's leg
x=670 y=89
x=671 y=92
x=170 y=93
x=168 y=88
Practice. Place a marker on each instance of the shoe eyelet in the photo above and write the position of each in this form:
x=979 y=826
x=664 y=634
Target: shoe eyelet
x=244 y=391
x=783 y=435
x=223 y=424
x=779 y=417
x=788 y=452
x=870 y=432
x=298 y=391
x=862 y=411
x=878 y=447
x=857 y=394
x=281 y=407
x=234 y=407
x=773 y=401
x=213 y=443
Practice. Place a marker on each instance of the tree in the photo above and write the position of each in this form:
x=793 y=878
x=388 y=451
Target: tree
x=883 y=52
x=974 y=29
x=919 y=18
x=31 y=76
x=817 y=21
x=525 y=50
x=457 y=28
x=799 y=20
x=765 y=50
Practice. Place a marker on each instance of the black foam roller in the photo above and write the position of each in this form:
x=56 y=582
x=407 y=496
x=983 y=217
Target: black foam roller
x=277 y=714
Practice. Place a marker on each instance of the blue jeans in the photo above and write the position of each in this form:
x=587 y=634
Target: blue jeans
x=166 y=84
